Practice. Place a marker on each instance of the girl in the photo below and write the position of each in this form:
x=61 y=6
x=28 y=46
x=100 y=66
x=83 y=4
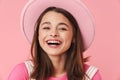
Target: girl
x=57 y=46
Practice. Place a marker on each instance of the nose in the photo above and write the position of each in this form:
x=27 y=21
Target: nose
x=54 y=33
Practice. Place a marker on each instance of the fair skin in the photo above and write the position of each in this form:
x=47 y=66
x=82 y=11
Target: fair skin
x=55 y=37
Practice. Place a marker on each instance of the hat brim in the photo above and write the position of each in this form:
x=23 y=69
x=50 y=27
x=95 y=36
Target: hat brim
x=34 y=8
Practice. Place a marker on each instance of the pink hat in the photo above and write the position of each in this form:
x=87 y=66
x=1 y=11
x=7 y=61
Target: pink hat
x=34 y=8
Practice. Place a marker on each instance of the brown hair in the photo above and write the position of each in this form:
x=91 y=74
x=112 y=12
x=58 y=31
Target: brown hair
x=74 y=64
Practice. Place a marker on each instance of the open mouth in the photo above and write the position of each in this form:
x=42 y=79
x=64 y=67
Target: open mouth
x=54 y=42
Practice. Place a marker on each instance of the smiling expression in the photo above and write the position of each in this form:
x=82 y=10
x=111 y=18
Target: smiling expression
x=55 y=33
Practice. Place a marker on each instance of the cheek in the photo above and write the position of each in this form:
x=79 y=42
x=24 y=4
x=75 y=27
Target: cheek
x=41 y=37
x=68 y=37
x=42 y=34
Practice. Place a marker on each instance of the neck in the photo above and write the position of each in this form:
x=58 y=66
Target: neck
x=58 y=64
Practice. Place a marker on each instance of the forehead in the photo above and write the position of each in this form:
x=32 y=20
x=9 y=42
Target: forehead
x=55 y=16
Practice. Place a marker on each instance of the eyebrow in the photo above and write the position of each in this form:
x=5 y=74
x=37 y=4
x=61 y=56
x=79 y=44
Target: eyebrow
x=61 y=23
x=45 y=23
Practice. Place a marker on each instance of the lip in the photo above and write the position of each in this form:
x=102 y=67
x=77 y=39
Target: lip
x=54 y=40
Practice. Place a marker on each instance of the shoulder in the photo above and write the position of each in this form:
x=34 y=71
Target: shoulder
x=93 y=72
x=19 y=72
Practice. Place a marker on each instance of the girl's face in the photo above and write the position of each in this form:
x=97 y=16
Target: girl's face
x=55 y=33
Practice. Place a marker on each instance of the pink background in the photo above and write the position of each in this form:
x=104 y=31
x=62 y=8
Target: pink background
x=104 y=52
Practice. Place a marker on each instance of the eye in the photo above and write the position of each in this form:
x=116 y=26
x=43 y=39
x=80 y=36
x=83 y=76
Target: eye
x=63 y=29
x=46 y=28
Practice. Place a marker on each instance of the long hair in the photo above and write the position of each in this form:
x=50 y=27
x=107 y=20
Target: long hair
x=74 y=63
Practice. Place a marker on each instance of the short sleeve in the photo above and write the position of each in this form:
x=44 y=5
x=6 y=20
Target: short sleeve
x=19 y=73
x=97 y=76
x=92 y=72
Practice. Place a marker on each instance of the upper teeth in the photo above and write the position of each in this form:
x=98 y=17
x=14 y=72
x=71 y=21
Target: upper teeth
x=53 y=41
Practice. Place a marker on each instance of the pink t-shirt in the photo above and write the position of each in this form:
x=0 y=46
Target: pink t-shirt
x=20 y=72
